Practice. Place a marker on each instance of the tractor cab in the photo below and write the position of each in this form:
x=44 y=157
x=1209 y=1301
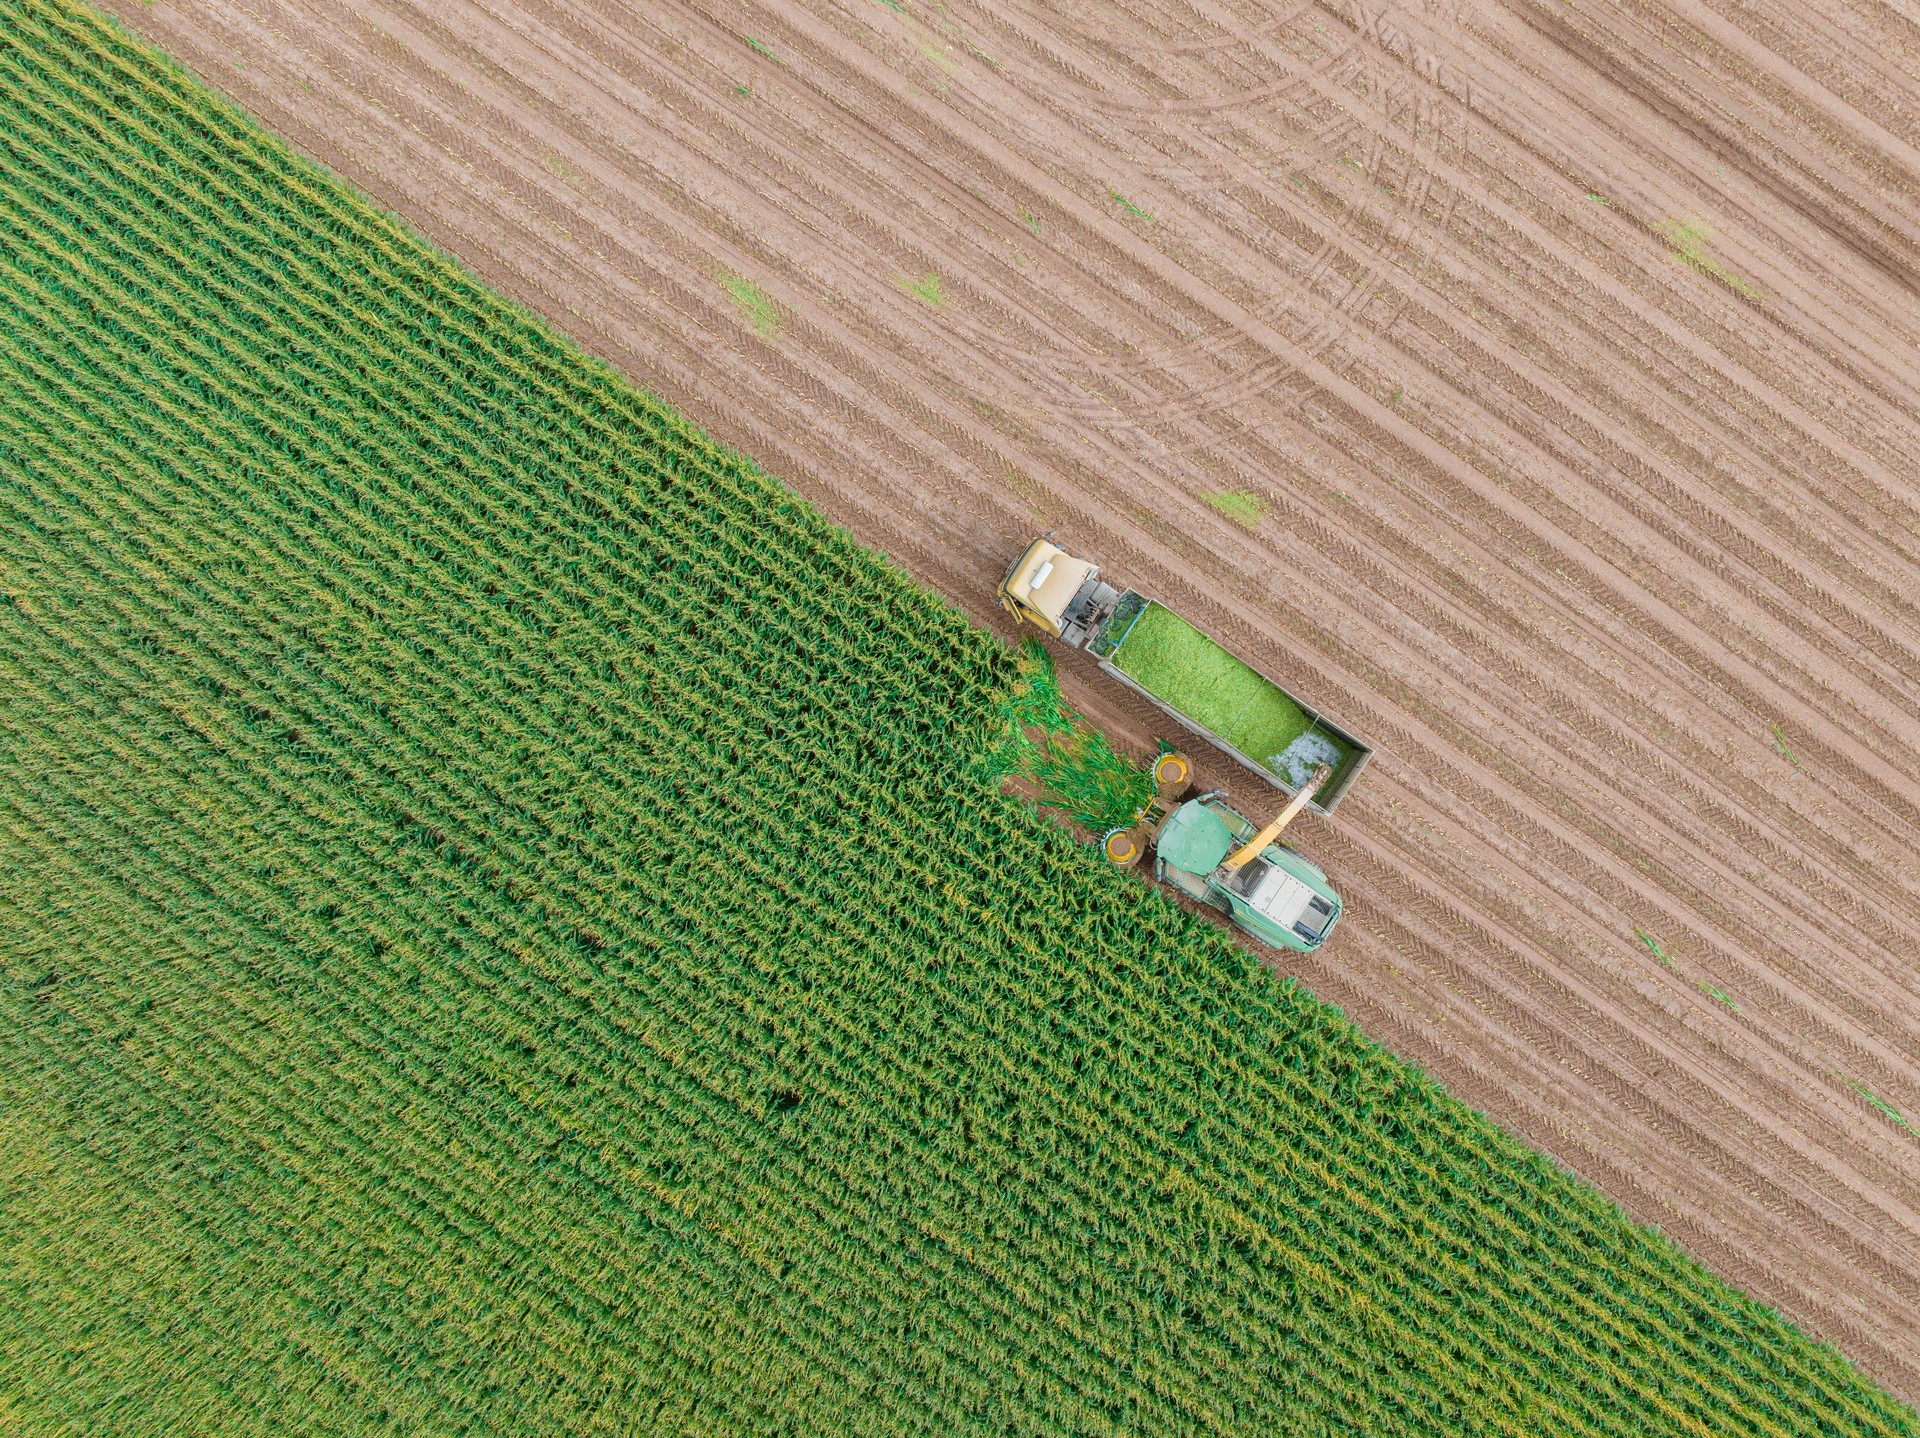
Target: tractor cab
x=1047 y=587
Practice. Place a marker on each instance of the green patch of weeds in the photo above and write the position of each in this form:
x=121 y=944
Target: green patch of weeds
x=743 y=89
x=557 y=165
x=1599 y=199
x=1780 y=743
x=1243 y=507
x=1886 y=1109
x=1128 y=205
x=929 y=289
x=1721 y=994
x=1687 y=239
x=892 y=5
x=1653 y=947
x=755 y=303
x=761 y=48
x=1030 y=219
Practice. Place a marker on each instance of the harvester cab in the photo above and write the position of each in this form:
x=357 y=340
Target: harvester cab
x=1047 y=587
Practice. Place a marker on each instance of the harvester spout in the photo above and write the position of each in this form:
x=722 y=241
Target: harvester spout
x=1266 y=836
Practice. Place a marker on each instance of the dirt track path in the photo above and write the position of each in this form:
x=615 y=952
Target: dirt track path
x=1574 y=348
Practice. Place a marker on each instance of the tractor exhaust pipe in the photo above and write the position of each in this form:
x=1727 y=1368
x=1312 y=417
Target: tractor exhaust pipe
x=1239 y=857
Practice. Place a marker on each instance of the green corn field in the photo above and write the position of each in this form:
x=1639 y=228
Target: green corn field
x=508 y=925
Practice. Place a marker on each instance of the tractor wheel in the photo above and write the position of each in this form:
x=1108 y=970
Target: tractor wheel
x=1171 y=771
x=1123 y=846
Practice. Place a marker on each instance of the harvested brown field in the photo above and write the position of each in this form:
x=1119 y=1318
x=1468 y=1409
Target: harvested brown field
x=1528 y=385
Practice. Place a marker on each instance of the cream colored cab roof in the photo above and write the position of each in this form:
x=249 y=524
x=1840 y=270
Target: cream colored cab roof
x=1047 y=581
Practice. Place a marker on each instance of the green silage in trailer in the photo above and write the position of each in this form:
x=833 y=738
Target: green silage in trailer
x=1178 y=664
x=435 y=1005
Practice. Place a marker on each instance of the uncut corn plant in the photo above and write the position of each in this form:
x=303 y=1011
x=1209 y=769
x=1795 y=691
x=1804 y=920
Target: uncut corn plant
x=506 y=927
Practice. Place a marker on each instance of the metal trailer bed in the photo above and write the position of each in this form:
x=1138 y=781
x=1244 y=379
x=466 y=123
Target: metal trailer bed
x=1113 y=633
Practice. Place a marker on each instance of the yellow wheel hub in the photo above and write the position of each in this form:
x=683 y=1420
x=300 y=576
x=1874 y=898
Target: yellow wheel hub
x=1170 y=771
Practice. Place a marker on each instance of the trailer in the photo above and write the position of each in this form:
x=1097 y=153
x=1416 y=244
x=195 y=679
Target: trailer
x=1190 y=677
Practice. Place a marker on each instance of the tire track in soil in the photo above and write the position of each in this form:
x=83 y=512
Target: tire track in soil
x=1564 y=525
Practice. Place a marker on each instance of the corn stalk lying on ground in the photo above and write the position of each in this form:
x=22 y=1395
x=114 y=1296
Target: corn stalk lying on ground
x=1066 y=765
x=506 y=929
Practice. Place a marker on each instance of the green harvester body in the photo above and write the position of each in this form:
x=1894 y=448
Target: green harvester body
x=1278 y=896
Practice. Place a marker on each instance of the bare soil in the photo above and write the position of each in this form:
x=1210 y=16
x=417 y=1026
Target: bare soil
x=1571 y=348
